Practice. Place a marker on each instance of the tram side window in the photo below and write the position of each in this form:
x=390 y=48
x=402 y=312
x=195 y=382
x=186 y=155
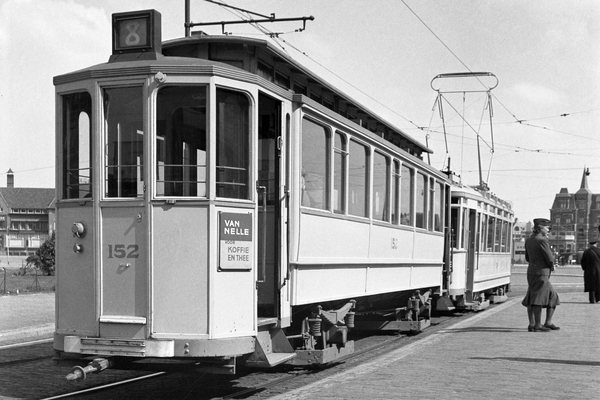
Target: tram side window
x=498 y=236
x=76 y=146
x=421 y=205
x=483 y=232
x=438 y=207
x=431 y=210
x=181 y=141
x=124 y=142
x=315 y=185
x=505 y=247
x=233 y=144
x=357 y=180
x=490 y=233
x=406 y=196
x=339 y=173
x=454 y=227
x=380 y=201
x=395 y=192
x=465 y=224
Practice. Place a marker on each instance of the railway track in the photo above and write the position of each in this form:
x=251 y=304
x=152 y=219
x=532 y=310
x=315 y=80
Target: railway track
x=21 y=359
x=247 y=384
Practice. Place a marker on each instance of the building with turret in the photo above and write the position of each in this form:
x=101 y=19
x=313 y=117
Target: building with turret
x=575 y=219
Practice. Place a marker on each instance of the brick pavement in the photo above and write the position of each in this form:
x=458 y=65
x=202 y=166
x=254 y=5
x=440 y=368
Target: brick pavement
x=489 y=356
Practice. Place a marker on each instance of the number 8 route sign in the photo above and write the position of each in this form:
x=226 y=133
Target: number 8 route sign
x=137 y=32
x=236 y=250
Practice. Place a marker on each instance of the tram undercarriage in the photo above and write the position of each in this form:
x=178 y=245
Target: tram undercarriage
x=323 y=339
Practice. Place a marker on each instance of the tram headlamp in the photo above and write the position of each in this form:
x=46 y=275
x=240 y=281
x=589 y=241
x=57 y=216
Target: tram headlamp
x=79 y=230
x=160 y=77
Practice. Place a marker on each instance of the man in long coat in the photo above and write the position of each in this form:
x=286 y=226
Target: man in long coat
x=590 y=263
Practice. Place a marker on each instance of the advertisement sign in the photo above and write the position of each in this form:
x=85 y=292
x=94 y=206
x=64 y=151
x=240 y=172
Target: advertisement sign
x=236 y=250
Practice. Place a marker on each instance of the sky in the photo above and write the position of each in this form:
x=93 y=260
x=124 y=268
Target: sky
x=545 y=55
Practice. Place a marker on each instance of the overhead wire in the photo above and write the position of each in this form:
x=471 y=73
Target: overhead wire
x=517 y=120
x=280 y=42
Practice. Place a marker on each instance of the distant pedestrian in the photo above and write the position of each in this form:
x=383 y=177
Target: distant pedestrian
x=590 y=263
x=540 y=292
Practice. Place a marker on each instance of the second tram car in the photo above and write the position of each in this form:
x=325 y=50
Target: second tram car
x=480 y=248
x=218 y=202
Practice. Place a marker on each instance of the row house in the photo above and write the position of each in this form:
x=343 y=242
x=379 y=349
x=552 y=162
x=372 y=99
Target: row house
x=26 y=218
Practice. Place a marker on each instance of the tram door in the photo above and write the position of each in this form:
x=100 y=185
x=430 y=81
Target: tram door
x=271 y=210
x=124 y=270
x=471 y=251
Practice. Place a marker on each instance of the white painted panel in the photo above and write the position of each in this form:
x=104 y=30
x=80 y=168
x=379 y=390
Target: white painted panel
x=328 y=282
x=429 y=247
x=232 y=292
x=180 y=270
x=316 y=284
x=323 y=238
x=494 y=270
x=459 y=273
x=426 y=276
x=390 y=278
x=76 y=274
x=391 y=243
x=124 y=268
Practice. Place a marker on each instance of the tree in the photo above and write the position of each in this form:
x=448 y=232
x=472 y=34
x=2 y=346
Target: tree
x=44 y=257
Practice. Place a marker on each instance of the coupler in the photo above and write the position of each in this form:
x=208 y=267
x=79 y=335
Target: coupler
x=97 y=365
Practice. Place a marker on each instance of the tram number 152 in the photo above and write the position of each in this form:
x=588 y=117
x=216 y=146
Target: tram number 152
x=123 y=251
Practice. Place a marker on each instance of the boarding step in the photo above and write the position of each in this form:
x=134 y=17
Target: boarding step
x=496 y=298
x=271 y=348
x=397 y=326
x=475 y=305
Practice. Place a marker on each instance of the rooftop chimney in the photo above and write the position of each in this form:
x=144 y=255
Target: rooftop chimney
x=10 y=179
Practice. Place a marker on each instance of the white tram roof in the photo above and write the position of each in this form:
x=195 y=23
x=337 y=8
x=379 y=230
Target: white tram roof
x=470 y=192
x=246 y=58
x=261 y=51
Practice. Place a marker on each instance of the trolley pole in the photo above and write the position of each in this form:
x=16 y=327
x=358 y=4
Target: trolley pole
x=187 y=19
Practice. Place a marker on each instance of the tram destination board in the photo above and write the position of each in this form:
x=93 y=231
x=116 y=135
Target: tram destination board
x=236 y=250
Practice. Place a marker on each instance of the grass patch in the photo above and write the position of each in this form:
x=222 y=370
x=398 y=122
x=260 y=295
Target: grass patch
x=11 y=282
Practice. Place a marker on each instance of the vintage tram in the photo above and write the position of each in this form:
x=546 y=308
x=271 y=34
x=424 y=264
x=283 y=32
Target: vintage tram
x=218 y=202
x=480 y=249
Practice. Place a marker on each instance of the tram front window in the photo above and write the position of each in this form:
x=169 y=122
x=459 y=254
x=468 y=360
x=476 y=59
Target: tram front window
x=124 y=142
x=76 y=146
x=181 y=141
x=233 y=145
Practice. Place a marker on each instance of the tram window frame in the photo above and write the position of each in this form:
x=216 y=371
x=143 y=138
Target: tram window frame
x=438 y=213
x=126 y=180
x=358 y=179
x=498 y=236
x=379 y=208
x=407 y=191
x=395 y=192
x=315 y=147
x=483 y=232
x=77 y=177
x=455 y=232
x=504 y=244
x=180 y=137
x=491 y=224
x=421 y=200
x=464 y=227
x=340 y=160
x=431 y=204
x=233 y=133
